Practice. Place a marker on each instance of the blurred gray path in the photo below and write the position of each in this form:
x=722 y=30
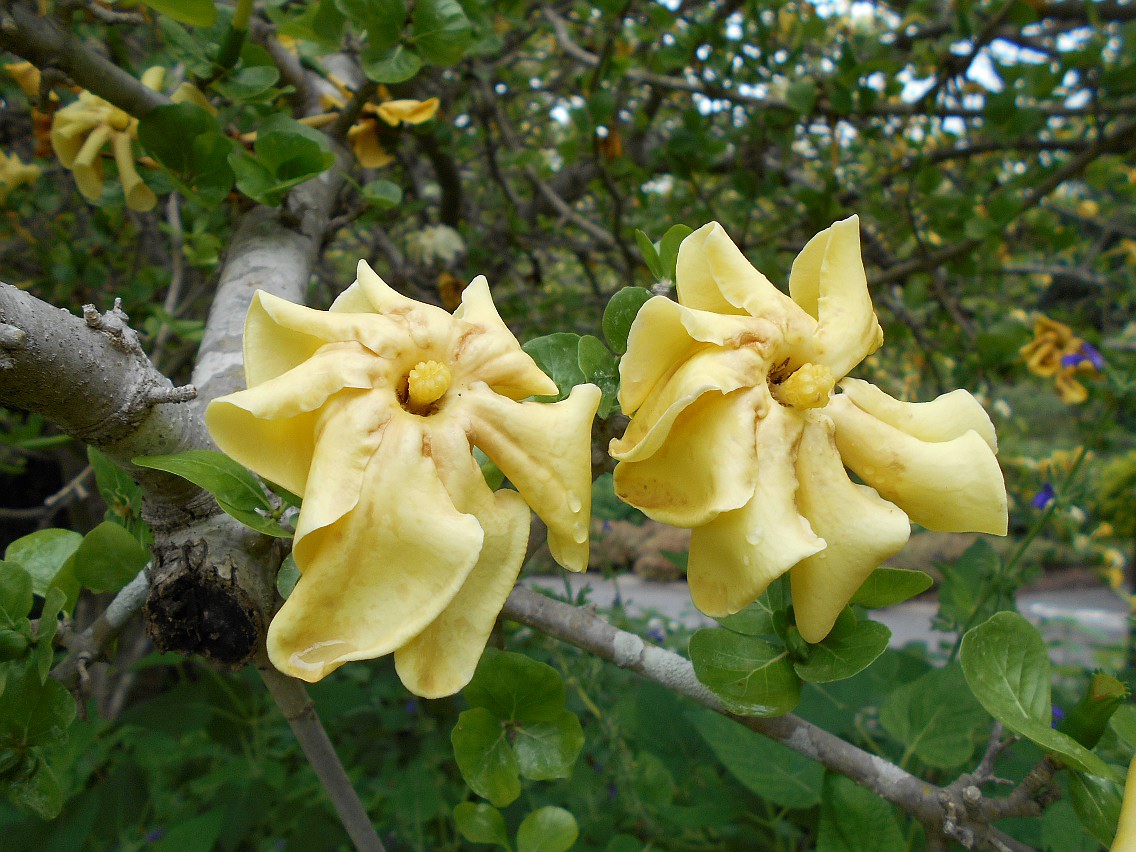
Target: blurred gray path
x=1074 y=621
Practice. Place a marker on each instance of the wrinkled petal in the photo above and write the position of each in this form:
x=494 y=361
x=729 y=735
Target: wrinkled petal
x=546 y=452
x=271 y=427
x=280 y=335
x=696 y=283
x=949 y=486
x=376 y=577
x=861 y=530
x=829 y=282
x=684 y=483
x=431 y=328
x=665 y=333
x=409 y=111
x=707 y=370
x=942 y=419
x=487 y=351
x=735 y=557
x=441 y=659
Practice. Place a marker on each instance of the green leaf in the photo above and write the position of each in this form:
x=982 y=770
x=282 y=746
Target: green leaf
x=650 y=254
x=548 y=750
x=516 y=688
x=53 y=604
x=42 y=554
x=15 y=594
x=492 y=474
x=237 y=491
x=668 y=250
x=247 y=84
x=187 y=141
x=854 y=819
x=291 y=150
x=196 y=834
x=766 y=768
x=752 y=677
x=801 y=96
x=108 y=558
x=559 y=356
x=196 y=13
x=936 y=718
x=33 y=711
x=485 y=759
x=382 y=19
x=847 y=650
x=382 y=193
x=963 y=595
x=287 y=576
x=37 y=790
x=390 y=64
x=121 y=493
x=601 y=369
x=1096 y=801
x=1007 y=669
x=890 y=586
x=1061 y=830
x=766 y=616
x=620 y=312
x=481 y=823
x=440 y=30
x=547 y=829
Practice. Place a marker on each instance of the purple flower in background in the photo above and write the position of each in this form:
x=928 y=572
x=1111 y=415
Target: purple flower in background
x=1043 y=497
x=1058 y=716
x=1087 y=353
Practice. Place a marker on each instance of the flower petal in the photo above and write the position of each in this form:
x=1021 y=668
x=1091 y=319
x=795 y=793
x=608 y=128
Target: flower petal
x=279 y=335
x=829 y=282
x=696 y=283
x=665 y=333
x=860 y=528
x=735 y=557
x=441 y=659
x=684 y=483
x=407 y=110
x=271 y=427
x=376 y=577
x=949 y=486
x=942 y=419
x=431 y=328
x=708 y=369
x=487 y=350
x=546 y=452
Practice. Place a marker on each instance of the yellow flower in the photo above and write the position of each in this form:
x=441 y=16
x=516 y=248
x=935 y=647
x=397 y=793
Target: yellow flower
x=13 y=173
x=1055 y=351
x=27 y=77
x=736 y=431
x=363 y=136
x=1125 y=840
x=80 y=130
x=370 y=411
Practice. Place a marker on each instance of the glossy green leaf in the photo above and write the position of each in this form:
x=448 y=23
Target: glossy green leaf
x=668 y=250
x=15 y=594
x=750 y=676
x=1096 y=801
x=936 y=718
x=547 y=829
x=481 y=823
x=559 y=356
x=440 y=30
x=248 y=84
x=187 y=141
x=382 y=19
x=53 y=605
x=516 y=688
x=766 y=616
x=485 y=759
x=601 y=369
x=620 y=312
x=847 y=650
x=108 y=558
x=382 y=193
x=890 y=586
x=764 y=767
x=650 y=254
x=548 y=750
x=33 y=711
x=291 y=150
x=196 y=13
x=854 y=819
x=1007 y=669
x=42 y=554
x=390 y=64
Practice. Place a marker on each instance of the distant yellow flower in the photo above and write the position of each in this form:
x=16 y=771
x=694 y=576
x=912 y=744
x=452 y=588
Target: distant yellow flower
x=370 y=412
x=1125 y=840
x=363 y=136
x=1055 y=351
x=81 y=129
x=737 y=432
x=14 y=173
x=27 y=77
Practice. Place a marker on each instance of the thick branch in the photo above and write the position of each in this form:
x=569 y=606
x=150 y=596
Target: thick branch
x=46 y=44
x=591 y=633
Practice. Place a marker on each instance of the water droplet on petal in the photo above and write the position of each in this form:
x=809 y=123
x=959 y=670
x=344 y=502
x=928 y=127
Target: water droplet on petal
x=580 y=533
x=574 y=503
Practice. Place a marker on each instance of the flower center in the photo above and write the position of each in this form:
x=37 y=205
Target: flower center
x=810 y=386
x=425 y=385
x=119 y=120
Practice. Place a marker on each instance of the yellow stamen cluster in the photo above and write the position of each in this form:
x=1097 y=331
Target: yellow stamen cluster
x=809 y=387
x=427 y=382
